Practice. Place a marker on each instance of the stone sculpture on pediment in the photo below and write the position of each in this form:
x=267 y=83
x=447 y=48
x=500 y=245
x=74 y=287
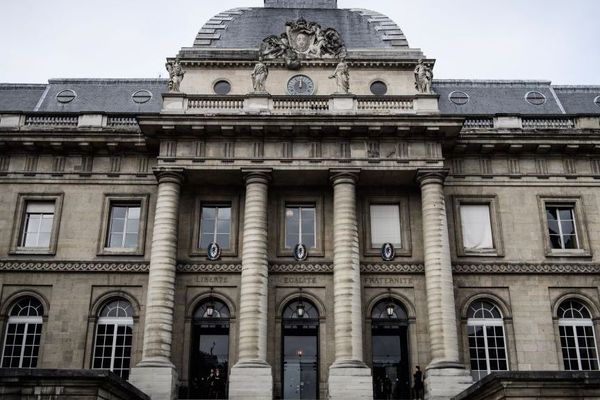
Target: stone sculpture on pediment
x=342 y=77
x=303 y=40
x=259 y=77
x=176 y=74
x=423 y=78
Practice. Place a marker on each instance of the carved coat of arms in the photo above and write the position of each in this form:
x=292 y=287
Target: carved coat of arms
x=303 y=40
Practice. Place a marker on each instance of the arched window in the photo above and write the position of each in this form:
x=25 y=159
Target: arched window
x=114 y=332
x=577 y=337
x=23 y=333
x=300 y=348
x=487 y=345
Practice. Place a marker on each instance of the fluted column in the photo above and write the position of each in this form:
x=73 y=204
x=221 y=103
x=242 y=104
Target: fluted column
x=251 y=377
x=349 y=377
x=438 y=271
x=155 y=374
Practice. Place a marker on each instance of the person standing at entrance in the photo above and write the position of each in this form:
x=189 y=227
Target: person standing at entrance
x=418 y=389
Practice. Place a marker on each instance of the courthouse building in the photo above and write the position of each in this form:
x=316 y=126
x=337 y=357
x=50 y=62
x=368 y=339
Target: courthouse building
x=299 y=212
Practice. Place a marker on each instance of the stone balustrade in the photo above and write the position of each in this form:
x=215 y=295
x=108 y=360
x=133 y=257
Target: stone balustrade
x=347 y=104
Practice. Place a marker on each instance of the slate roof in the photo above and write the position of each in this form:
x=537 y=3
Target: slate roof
x=579 y=99
x=20 y=97
x=485 y=97
x=245 y=28
x=508 y=97
x=104 y=95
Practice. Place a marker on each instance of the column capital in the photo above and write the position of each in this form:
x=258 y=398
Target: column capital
x=173 y=175
x=257 y=175
x=345 y=175
x=425 y=176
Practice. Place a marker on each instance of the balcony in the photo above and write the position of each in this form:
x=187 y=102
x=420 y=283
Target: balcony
x=179 y=103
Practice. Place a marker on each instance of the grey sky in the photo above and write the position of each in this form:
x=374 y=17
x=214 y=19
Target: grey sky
x=554 y=40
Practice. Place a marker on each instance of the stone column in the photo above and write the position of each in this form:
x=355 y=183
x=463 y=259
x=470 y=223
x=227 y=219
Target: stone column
x=155 y=375
x=251 y=377
x=445 y=376
x=349 y=377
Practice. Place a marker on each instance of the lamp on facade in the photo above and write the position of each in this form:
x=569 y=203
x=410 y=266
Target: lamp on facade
x=210 y=307
x=300 y=306
x=391 y=307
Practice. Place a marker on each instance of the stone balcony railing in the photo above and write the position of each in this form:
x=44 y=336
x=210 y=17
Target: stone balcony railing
x=43 y=121
x=532 y=123
x=177 y=103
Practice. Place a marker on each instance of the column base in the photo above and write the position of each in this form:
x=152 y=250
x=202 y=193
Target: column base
x=350 y=380
x=158 y=382
x=251 y=381
x=445 y=383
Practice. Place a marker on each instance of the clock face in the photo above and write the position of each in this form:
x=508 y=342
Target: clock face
x=301 y=85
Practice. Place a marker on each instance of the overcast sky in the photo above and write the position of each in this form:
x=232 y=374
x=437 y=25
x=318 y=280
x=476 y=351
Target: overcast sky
x=557 y=40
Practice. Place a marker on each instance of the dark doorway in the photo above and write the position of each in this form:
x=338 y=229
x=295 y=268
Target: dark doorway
x=209 y=362
x=391 y=365
x=300 y=351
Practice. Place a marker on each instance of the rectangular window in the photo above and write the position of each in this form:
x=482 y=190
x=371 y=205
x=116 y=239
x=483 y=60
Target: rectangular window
x=385 y=225
x=561 y=227
x=123 y=224
x=215 y=226
x=476 y=227
x=300 y=226
x=124 y=228
x=38 y=222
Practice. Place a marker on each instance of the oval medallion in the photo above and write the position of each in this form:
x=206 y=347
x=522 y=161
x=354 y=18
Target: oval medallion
x=213 y=252
x=387 y=252
x=300 y=252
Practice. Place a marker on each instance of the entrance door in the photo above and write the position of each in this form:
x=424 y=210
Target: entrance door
x=209 y=362
x=300 y=352
x=391 y=364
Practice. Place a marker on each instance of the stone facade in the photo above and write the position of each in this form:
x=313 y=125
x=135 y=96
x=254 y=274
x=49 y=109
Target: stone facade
x=483 y=143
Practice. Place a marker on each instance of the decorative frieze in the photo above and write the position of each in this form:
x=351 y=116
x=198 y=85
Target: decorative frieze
x=72 y=266
x=569 y=166
x=58 y=165
x=525 y=268
x=209 y=268
x=115 y=164
x=4 y=163
x=31 y=162
x=142 y=167
x=392 y=268
x=325 y=268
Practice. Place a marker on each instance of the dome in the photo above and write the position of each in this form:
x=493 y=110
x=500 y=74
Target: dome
x=245 y=28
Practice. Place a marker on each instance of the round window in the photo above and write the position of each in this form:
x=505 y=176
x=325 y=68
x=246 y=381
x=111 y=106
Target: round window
x=222 y=87
x=459 y=98
x=66 y=96
x=141 y=96
x=378 y=88
x=535 y=98
x=597 y=101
